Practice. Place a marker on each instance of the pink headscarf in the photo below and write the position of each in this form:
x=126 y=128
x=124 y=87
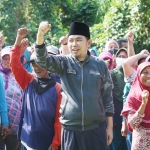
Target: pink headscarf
x=107 y=55
x=134 y=98
x=107 y=45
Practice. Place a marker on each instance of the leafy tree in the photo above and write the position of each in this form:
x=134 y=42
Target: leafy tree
x=108 y=19
x=122 y=16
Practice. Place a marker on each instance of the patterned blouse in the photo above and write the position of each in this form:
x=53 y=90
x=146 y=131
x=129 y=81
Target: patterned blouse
x=131 y=78
x=140 y=135
x=13 y=99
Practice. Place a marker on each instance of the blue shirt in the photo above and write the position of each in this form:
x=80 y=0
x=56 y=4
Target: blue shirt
x=3 y=105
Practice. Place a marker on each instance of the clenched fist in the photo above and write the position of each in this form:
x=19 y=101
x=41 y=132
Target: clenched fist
x=145 y=95
x=130 y=36
x=43 y=27
x=22 y=32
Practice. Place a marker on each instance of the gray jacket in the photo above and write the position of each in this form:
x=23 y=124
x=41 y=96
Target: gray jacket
x=86 y=89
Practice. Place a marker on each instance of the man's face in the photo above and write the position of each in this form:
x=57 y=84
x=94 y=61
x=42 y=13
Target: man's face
x=6 y=61
x=78 y=46
x=124 y=45
x=40 y=72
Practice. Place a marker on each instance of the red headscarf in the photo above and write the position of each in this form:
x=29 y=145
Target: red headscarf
x=107 y=55
x=134 y=98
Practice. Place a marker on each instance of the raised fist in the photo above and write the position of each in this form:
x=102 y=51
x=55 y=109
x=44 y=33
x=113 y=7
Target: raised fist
x=144 y=53
x=24 y=45
x=145 y=95
x=22 y=32
x=43 y=27
x=130 y=36
x=63 y=40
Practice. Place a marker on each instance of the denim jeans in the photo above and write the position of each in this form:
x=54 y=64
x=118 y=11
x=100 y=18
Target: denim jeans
x=129 y=140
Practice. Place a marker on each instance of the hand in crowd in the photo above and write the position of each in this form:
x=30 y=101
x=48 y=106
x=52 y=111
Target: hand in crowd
x=24 y=45
x=124 y=129
x=22 y=32
x=114 y=60
x=145 y=95
x=130 y=36
x=109 y=136
x=144 y=53
x=43 y=27
x=5 y=131
x=63 y=40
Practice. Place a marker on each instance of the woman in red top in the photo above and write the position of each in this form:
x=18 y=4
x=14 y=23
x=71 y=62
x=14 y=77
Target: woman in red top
x=137 y=108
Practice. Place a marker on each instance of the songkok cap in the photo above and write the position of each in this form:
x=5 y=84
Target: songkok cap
x=78 y=28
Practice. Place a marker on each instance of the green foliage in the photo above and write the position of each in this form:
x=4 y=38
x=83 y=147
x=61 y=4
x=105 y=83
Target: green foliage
x=81 y=11
x=29 y=13
x=108 y=19
x=122 y=16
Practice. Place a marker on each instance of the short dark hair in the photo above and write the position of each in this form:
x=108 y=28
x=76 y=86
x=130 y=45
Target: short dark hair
x=121 y=41
x=140 y=61
x=87 y=38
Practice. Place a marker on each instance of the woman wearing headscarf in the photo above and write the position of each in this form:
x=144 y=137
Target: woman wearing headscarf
x=93 y=52
x=112 y=47
x=111 y=44
x=107 y=57
x=26 y=63
x=13 y=94
x=137 y=108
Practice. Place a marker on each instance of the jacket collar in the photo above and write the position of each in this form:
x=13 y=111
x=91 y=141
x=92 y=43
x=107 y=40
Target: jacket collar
x=86 y=59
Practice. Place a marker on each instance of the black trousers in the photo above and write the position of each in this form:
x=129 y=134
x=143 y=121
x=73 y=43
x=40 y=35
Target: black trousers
x=11 y=143
x=94 y=139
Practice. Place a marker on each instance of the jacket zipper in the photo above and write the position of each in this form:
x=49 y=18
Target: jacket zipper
x=82 y=97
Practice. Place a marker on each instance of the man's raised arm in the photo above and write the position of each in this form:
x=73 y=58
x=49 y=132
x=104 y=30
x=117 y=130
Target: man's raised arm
x=49 y=62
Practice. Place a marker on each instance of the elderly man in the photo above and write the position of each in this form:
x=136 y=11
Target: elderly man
x=39 y=127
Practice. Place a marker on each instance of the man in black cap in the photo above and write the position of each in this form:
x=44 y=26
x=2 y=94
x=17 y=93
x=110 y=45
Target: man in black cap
x=86 y=90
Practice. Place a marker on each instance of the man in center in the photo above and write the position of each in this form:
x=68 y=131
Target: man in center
x=87 y=105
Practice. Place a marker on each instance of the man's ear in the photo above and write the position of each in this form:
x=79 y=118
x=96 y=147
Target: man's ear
x=89 y=42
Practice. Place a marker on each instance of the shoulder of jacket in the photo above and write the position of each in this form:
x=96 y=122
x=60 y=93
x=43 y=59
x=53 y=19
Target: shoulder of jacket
x=114 y=71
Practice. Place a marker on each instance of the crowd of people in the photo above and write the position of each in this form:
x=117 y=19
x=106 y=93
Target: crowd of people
x=72 y=98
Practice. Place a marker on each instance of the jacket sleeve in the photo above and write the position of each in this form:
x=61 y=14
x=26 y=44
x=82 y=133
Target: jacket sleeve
x=21 y=75
x=57 y=125
x=49 y=62
x=3 y=105
x=106 y=91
